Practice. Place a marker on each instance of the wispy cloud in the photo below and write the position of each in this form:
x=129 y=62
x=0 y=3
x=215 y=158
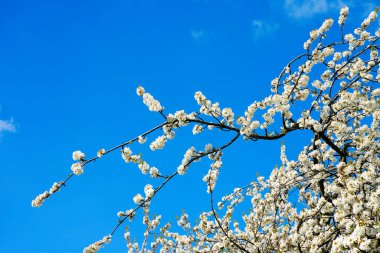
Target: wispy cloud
x=198 y=34
x=308 y=8
x=7 y=126
x=262 y=29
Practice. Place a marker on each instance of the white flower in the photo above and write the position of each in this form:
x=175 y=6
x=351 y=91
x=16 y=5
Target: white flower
x=349 y=37
x=138 y=199
x=217 y=164
x=185 y=161
x=346 y=53
x=343 y=15
x=314 y=34
x=326 y=25
x=317 y=127
x=129 y=212
x=149 y=191
x=142 y=140
x=208 y=148
x=197 y=129
x=78 y=155
x=328 y=51
x=77 y=169
x=303 y=81
x=254 y=125
x=144 y=167
x=181 y=117
x=357 y=208
x=228 y=115
x=200 y=98
x=140 y=91
x=365 y=245
x=170 y=135
x=307 y=44
x=325 y=75
x=101 y=152
x=264 y=125
x=126 y=154
x=153 y=104
x=94 y=248
x=376 y=92
x=154 y=172
x=374 y=54
x=372 y=16
x=317 y=84
x=158 y=143
x=54 y=188
x=364 y=35
x=337 y=56
x=181 y=169
x=37 y=202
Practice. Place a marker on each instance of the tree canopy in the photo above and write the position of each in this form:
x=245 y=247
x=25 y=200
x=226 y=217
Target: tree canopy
x=326 y=200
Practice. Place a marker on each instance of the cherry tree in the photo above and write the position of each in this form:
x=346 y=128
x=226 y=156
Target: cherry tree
x=326 y=200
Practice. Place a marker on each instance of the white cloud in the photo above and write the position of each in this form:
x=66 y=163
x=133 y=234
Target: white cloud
x=197 y=34
x=7 y=126
x=261 y=28
x=308 y=8
x=304 y=9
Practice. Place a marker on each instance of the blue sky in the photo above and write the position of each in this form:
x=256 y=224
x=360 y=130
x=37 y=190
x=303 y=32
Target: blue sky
x=68 y=73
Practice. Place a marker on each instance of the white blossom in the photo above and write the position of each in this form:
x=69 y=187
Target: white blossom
x=142 y=139
x=153 y=104
x=101 y=152
x=77 y=168
x=138 y=199
x=54 y=188
x=189 y=154
x=144 y=167
x=343 y=15
x=154 y=172
x=228 y=115
x=78 y=155
x=140 y=91
x=158 y=143
x=37 y=202
x=93 y=248
x=126 y=154
x=326 y=25
x=197 y=129
x=149 y=191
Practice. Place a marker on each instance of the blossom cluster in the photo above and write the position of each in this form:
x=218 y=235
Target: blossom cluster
x=335 y=177
x=77 y=167
x=126 y=154
x=189 y=154
x=213 y=173
x=93 y=248
x=153 y=104
x=37 y=202
x=158 y=143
